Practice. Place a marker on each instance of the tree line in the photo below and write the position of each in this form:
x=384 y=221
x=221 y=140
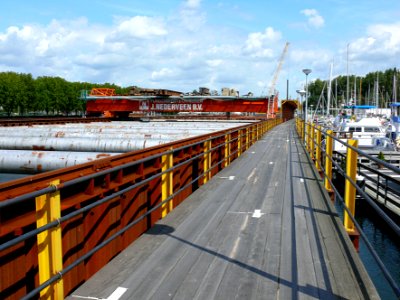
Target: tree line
x=362 y=89
x=22 y=95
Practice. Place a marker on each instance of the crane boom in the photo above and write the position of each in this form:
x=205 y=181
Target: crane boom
x=277 y=71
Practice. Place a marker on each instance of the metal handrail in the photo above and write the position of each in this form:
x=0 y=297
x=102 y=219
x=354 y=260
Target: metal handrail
x=379 y=211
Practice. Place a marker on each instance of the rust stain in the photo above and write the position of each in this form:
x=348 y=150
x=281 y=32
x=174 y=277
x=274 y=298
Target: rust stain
x=101 y=155
x=39 y=168
x=35 y=147
x=40 y=154
x=60 y=134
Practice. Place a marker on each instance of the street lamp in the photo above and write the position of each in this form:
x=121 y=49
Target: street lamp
x=301 y=93
x=306 y=71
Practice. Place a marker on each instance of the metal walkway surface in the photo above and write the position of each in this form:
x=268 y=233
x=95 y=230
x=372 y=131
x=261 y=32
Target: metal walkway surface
x=263 y=228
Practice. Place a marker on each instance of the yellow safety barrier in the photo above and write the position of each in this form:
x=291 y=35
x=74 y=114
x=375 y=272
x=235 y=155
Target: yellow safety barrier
x=227 y=149
x=350 y=190
x=308 y=137
x=239 y=141
x=167 y=183
x=318 y=149
x=247 y=139
x=328 y=161
x=312 y=143
x=207 y=161
x=48 y=209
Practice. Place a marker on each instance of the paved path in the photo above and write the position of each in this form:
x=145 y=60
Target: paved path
x=261 y=229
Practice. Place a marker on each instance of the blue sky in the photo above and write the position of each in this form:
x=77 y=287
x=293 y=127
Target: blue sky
x=186 y=44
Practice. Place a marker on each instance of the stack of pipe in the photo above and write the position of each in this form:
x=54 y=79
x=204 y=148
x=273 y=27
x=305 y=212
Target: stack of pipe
x=40 y=148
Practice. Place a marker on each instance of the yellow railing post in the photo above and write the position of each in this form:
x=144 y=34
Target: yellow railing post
x=167 y=179
x=312 y=137
x=306 y=137
x=247 y=138
x=239 y=142
x=207 y=161
x=302 y=130
x=350 y=190
x=48 y=209
x=328 y=161
x=318 y=149
x=227 y=149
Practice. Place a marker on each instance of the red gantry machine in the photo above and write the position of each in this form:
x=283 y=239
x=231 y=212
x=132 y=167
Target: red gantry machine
x=104 y=101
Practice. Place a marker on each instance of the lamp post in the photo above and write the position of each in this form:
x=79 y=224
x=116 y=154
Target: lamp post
x=306 y=71
x=301 y=93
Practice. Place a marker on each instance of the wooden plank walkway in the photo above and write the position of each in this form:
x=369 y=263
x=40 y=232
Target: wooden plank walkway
x=263 y=228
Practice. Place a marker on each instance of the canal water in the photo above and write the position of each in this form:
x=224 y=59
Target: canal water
x=384 y=241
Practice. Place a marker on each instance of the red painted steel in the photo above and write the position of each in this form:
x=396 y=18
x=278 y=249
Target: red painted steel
x=113 y=105
x=19 y=266
x=288 y=108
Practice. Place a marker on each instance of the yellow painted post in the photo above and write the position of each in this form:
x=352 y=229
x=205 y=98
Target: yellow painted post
x=318 y=149
x=350 y=190
x=312 y=137
x=239 y=142
x=307 y=134
x=247 y=139
x=48 y=209
x=167 y=179
x=328 y=162
x=298 y=126
x=258 y=132
x=207 y=161
x=227 y=149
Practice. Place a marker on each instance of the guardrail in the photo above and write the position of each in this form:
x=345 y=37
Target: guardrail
x=59 y=228
x=319 y=145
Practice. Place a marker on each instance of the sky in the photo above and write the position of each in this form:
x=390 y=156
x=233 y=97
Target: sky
x=186 y=44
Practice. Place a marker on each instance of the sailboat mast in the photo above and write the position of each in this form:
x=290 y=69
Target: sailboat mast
x=328 y=105
x=377 y=91
x=348 y=82
x=394 y=88
x=355 y=90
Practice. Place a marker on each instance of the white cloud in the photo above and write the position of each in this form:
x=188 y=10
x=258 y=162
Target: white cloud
x=314 y=18
x=164 y=73
x=259 y=44
x=214 y=62
x=192 y=4
x=141 y=27
x=378 y=49
x=191 y=17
